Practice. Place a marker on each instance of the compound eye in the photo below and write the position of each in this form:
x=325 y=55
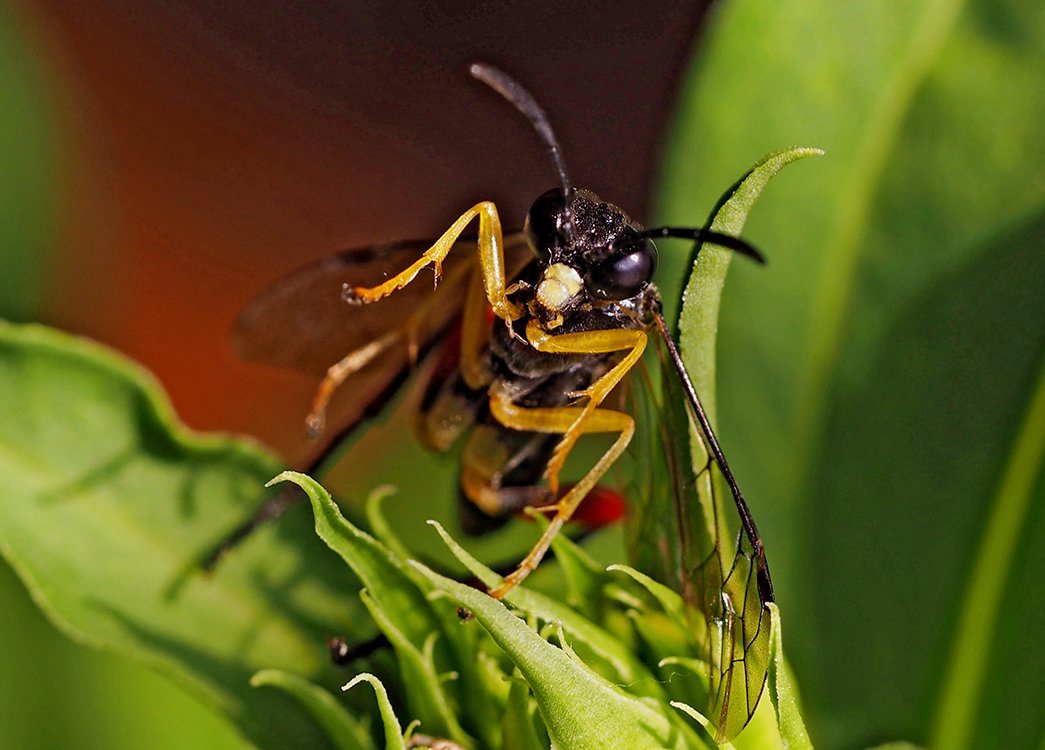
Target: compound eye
x=544 y=223
x=625 y=273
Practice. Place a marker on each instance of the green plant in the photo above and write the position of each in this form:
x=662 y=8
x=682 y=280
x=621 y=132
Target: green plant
x=113 y=505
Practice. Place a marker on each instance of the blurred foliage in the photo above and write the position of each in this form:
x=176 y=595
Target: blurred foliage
x=55 y=693
x=28 y=157
x=875 y=380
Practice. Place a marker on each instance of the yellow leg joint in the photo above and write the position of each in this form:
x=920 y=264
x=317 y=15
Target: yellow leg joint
x=491 y=261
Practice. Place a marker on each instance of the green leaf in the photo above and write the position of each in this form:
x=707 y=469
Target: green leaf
x=698 y=320
x=970 y=664
x=520 y=728
x=383 y=575
x=108 y=504
x=393 y=730
x=784 y=693
x=405 y=614
x=417 y=669
x=597 y=644
x=379 y=524
x=870 y=444
x=702 y=720
x=344 y=730
x=705 y=546
x=579 y=709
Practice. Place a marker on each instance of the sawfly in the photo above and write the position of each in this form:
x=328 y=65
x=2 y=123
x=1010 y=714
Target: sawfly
x=545 y=324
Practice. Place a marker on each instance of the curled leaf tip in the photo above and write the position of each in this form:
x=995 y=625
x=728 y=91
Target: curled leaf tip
x=283 y=476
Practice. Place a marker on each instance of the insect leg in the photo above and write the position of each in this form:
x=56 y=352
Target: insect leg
x=337 y=374
x=489 y=278
x=491 y=260
x=632 y=341
x=475 y=333
x=560 y=419
x=572 y=422
x=359 y=358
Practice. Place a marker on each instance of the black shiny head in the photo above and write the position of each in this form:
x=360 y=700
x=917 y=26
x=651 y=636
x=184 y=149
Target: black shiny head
x=614 y=259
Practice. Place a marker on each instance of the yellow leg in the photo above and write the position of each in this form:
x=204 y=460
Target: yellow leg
x=562 y=419
x=491 y=260
x=475 y=334
x=587 y=342
x=572 y=422
x=488 y=277
x=359 y=358
x=337 y=374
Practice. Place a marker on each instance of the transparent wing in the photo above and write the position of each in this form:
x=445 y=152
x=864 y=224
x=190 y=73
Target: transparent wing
x=301 y=322
x=693 y=531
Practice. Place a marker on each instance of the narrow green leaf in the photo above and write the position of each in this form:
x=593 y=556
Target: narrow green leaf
x=702 y=720
x=620 y=663
x=521 y=721
x=379 y=523
x=401 y=594
x=698 y=321
x=421 y=680
x=968 y=671
x=746 y=649
x=344 y=730
x=784 y=694
x=393 y=731
x=973 y=339
x=382 y=574
x=868 y=464
x=585 y=577
x=668 y=599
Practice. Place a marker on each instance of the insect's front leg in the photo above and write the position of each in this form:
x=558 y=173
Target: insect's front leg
x=491 y=261
x=491 y=281
x=572 y=422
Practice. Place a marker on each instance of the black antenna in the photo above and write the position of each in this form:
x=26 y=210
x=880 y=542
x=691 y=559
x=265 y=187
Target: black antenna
x=727 y=241
x=521 y=99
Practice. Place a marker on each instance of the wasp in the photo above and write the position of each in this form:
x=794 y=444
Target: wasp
x=548 y=322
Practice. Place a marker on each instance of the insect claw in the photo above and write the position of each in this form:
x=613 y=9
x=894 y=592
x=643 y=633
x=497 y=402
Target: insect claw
x=513 y=333
x=315 y=423
x=350 y=295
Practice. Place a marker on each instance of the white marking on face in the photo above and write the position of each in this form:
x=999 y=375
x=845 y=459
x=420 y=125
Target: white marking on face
x=559 y=284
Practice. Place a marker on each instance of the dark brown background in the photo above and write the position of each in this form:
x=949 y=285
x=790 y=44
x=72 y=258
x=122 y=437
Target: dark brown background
x=212 y=149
